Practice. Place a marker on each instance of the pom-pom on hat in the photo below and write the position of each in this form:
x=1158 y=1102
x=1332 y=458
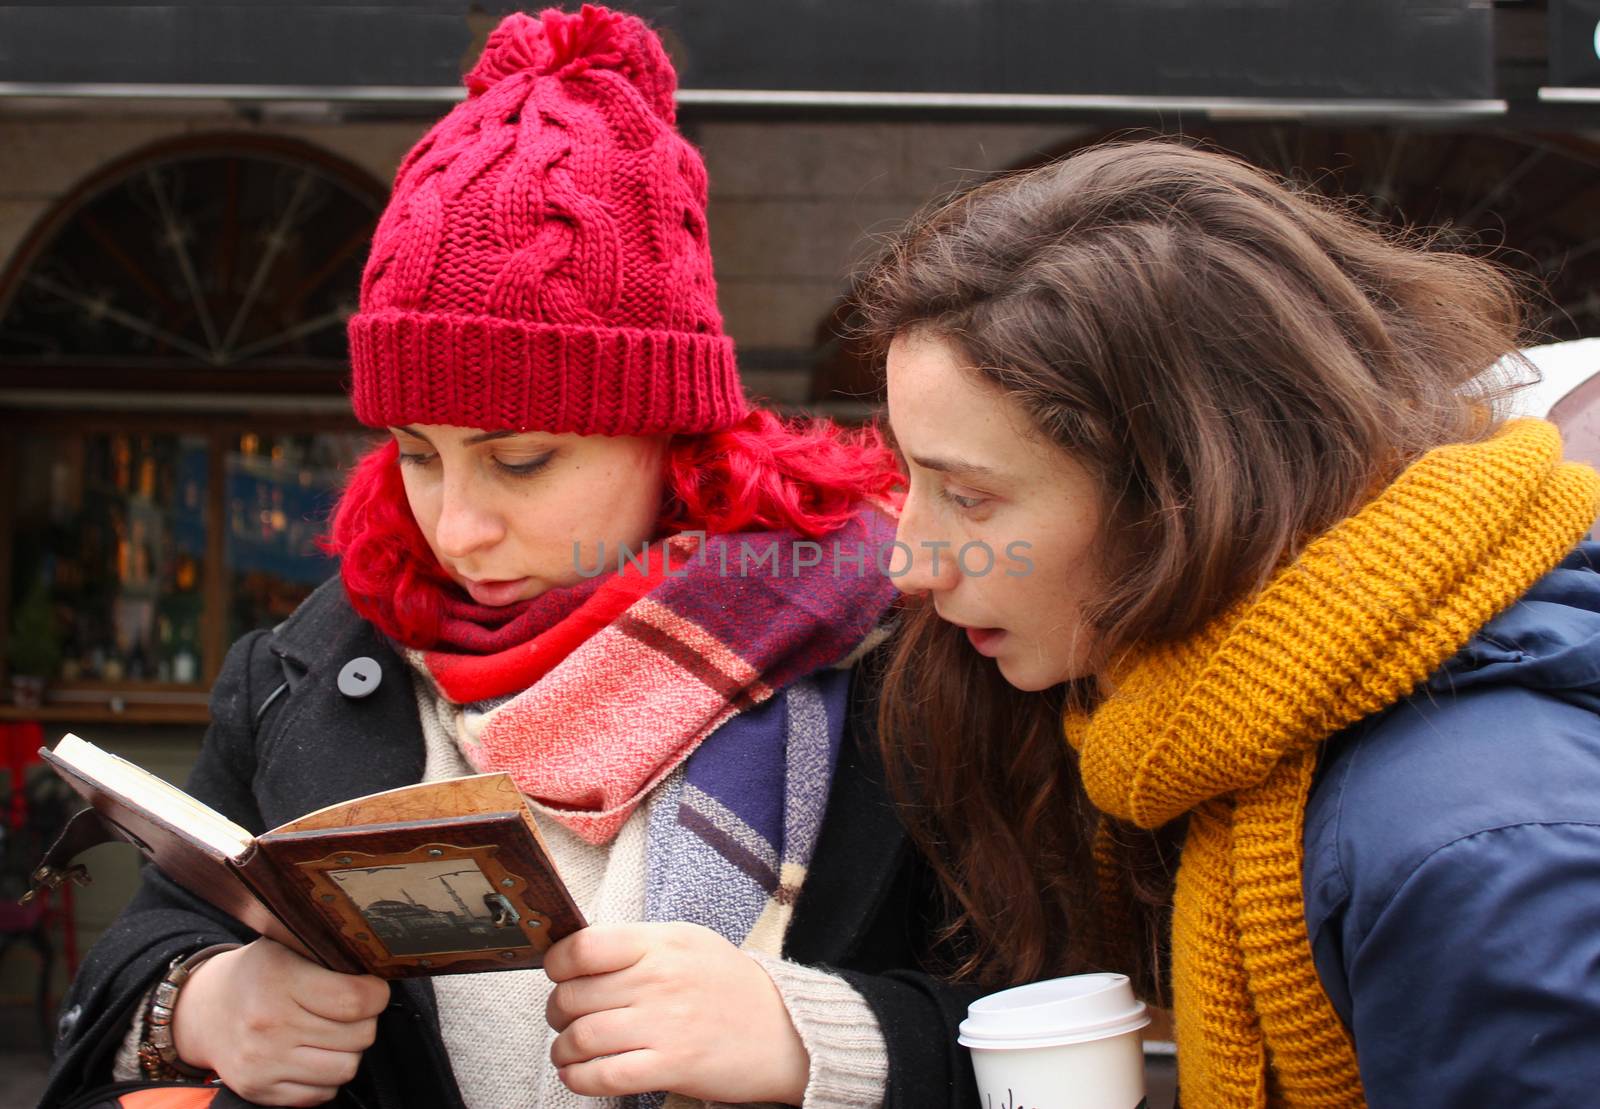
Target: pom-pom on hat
x=543 y=262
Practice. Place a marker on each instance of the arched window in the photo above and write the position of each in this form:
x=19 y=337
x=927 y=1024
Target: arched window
x=173 y=366
x=230 y=253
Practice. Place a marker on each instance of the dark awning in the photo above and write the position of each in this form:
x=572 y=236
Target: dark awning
x=784 y=51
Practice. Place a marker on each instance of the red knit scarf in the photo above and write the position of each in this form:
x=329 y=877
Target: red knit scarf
x=486 y=652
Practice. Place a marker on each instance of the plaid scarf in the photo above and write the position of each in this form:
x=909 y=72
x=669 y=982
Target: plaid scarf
x=731 y=668
x=593 y=695
x=728 y=845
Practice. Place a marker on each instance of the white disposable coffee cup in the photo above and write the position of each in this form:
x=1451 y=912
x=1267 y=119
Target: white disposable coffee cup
x=1069 y=1043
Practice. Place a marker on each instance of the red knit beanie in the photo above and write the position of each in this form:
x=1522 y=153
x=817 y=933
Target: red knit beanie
x=543 y=262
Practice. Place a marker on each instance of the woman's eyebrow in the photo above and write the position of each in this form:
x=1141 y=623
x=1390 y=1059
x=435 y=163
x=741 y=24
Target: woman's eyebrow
x=470 y=441
x=953 y=466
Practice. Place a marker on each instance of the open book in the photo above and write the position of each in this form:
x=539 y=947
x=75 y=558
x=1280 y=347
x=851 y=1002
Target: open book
x=439 y=878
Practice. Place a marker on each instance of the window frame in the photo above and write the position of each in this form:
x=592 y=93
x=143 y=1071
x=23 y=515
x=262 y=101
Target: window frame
x=159 y=396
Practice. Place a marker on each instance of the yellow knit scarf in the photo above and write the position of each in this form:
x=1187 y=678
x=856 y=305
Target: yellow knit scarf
x=1226 y=725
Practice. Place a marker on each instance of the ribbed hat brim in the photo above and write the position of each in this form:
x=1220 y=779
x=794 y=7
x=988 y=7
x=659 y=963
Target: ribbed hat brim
x=484 y=372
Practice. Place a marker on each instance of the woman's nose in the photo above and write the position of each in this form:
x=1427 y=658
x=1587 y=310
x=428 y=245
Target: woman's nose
x=922 y=563
x=465 y=526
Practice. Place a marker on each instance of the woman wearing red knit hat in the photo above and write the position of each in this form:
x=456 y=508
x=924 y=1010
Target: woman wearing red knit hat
x=579 y=559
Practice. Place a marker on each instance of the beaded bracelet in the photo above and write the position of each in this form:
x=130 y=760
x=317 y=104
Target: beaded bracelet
x=158 y=1057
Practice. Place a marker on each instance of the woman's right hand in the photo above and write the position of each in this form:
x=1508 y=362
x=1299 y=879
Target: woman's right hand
x=277 y=1028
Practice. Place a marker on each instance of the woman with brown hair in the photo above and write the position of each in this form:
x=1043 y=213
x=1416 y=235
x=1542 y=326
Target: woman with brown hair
x=1318 y=619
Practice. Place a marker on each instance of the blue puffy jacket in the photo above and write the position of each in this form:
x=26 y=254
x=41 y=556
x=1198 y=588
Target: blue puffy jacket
x=1452 y=874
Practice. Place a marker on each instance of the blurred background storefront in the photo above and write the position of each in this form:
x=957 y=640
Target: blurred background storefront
x=187 y=191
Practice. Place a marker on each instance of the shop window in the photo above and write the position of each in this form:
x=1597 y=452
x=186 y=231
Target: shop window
x=172 y=421
x=280 y=488
x=111 y=535
x=140 y=552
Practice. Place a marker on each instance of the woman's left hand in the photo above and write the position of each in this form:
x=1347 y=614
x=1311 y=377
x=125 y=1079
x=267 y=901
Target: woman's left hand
x=674 y=1007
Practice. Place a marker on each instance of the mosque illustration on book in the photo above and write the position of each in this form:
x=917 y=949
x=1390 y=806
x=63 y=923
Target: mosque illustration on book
x=431 y=907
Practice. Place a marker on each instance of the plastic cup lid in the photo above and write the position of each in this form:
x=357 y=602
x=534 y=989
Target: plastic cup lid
x=1053 y=1013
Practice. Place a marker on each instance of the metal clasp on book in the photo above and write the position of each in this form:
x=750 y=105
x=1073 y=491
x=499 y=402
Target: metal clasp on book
x=54 y=877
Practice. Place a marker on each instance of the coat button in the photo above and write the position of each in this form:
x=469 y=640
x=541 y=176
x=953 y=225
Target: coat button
x=360 y=677
x=68 y=1022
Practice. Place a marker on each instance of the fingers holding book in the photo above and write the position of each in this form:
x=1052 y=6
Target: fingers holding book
x=276 y=1027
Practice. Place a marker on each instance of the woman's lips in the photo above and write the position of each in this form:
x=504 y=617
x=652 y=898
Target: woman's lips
x=495 y=592
x=986 y=641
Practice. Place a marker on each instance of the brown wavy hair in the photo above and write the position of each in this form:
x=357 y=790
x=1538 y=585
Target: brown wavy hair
x=1240 y=365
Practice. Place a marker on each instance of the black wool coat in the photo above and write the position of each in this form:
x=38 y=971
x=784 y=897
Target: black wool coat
x=285 y=741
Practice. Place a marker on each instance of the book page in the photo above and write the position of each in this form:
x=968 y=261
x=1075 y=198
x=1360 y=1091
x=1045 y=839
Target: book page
x=145 y=790
x=448 y=797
